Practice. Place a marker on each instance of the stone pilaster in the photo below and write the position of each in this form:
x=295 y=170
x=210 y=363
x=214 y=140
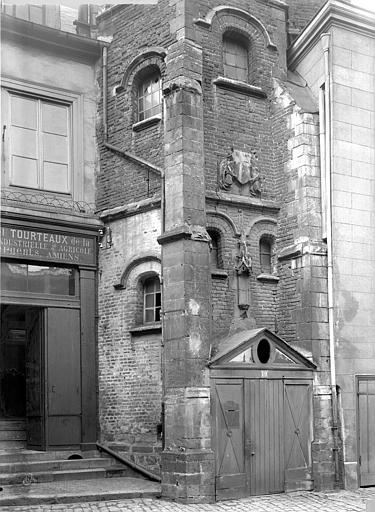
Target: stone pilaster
x=187 y=458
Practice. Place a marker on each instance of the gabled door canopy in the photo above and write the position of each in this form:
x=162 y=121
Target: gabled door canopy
x=259 y=348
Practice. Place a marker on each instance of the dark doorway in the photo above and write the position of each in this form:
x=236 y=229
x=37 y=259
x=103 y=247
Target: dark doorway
x=12 y=362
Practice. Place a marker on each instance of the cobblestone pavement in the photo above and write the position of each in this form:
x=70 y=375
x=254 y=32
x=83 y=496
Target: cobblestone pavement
x=342 y=501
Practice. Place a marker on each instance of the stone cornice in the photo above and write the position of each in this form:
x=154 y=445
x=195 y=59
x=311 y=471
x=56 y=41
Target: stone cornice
x=242 y=201
x=51 y=39
x=333 y=13
x=128 y=210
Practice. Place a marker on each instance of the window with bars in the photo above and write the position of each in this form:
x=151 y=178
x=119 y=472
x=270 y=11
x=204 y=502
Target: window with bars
x=265 y=254
x=149 y=97
x=235 y=57
x=152 y=300
x=40 y=143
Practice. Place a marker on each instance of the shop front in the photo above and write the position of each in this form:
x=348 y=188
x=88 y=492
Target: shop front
x=48 y=334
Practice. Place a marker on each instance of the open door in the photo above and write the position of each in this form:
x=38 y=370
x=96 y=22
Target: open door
x=64 y=377
x=35 y=379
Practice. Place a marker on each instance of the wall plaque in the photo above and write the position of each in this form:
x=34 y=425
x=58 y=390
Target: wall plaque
x=47 y=245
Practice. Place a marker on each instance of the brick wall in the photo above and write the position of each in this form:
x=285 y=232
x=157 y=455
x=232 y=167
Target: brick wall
x=129 y=363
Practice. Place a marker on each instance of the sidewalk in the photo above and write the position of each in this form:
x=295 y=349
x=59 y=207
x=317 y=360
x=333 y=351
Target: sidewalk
x=342 y=501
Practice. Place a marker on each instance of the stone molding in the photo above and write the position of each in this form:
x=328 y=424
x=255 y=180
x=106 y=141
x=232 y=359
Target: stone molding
x=154 y=52
x=239 y=86
x=239 y=13
x=133 y=264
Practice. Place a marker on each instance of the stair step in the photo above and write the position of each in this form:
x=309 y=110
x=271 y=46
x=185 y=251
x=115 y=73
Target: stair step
x=7 y=445
x=83 y=491
x=54 y=465
x=12 y=425
x=12 y=435
x=52 y=476
x=24 y=455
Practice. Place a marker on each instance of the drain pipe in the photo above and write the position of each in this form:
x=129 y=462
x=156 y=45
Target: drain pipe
x=325 y=39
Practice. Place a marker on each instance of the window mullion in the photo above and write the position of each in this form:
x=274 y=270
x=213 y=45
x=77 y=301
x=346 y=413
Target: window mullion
x=40 y=146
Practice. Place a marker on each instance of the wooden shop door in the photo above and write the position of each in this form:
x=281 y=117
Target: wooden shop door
x=64 y=377
x=366 y=430
x=35 y=379
x=53 y=378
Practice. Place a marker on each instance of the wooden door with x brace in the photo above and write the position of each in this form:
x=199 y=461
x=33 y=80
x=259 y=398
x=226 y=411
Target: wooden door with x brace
x=262 y=436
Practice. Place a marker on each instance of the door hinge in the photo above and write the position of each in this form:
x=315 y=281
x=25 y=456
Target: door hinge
x=360 y=460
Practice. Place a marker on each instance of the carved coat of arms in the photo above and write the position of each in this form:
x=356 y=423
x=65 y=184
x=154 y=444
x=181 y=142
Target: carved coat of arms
x=240 y=167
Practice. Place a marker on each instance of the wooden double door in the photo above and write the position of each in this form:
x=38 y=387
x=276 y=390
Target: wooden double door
x=53 y=377
x=262 y=436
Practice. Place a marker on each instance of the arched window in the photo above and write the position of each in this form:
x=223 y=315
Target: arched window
x=151 y=300
x=149 y=96
x=265 y=255
x=235 y=57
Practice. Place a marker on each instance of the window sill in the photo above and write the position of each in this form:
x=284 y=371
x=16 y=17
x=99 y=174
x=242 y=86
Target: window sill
x=146 y=329
x=268 y=278
x=218 y=273
x=145 y=123
x=239 y=86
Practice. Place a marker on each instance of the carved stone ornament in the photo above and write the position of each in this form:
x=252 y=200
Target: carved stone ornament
x=240 y=167
x=244 y=263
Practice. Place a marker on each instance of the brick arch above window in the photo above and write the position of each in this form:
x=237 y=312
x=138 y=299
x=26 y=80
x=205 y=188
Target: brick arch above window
x=224 y=11
x=150 y=58
x=262 y=238
x=138 y=267
x=223 y=222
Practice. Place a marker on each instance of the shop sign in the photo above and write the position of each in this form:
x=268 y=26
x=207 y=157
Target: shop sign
x=59 y=247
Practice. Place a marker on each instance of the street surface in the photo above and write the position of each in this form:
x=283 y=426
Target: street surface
x=342 y=501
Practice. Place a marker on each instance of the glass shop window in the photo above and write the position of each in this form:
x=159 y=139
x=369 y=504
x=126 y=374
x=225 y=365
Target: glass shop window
x=40 y=279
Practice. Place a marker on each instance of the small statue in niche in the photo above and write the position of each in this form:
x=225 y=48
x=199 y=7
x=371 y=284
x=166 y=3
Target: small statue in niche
x=240 y=168
x=244 y=263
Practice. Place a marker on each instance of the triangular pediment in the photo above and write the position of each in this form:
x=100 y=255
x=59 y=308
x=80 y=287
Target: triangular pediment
x=259 y=348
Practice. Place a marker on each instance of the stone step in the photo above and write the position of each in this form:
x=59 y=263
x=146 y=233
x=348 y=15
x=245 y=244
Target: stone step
x=12 y=425
x=23 y=455
x=11 y=444
x=12 y=435
x=32 y=466
x=66 y=474
x=78 y=491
